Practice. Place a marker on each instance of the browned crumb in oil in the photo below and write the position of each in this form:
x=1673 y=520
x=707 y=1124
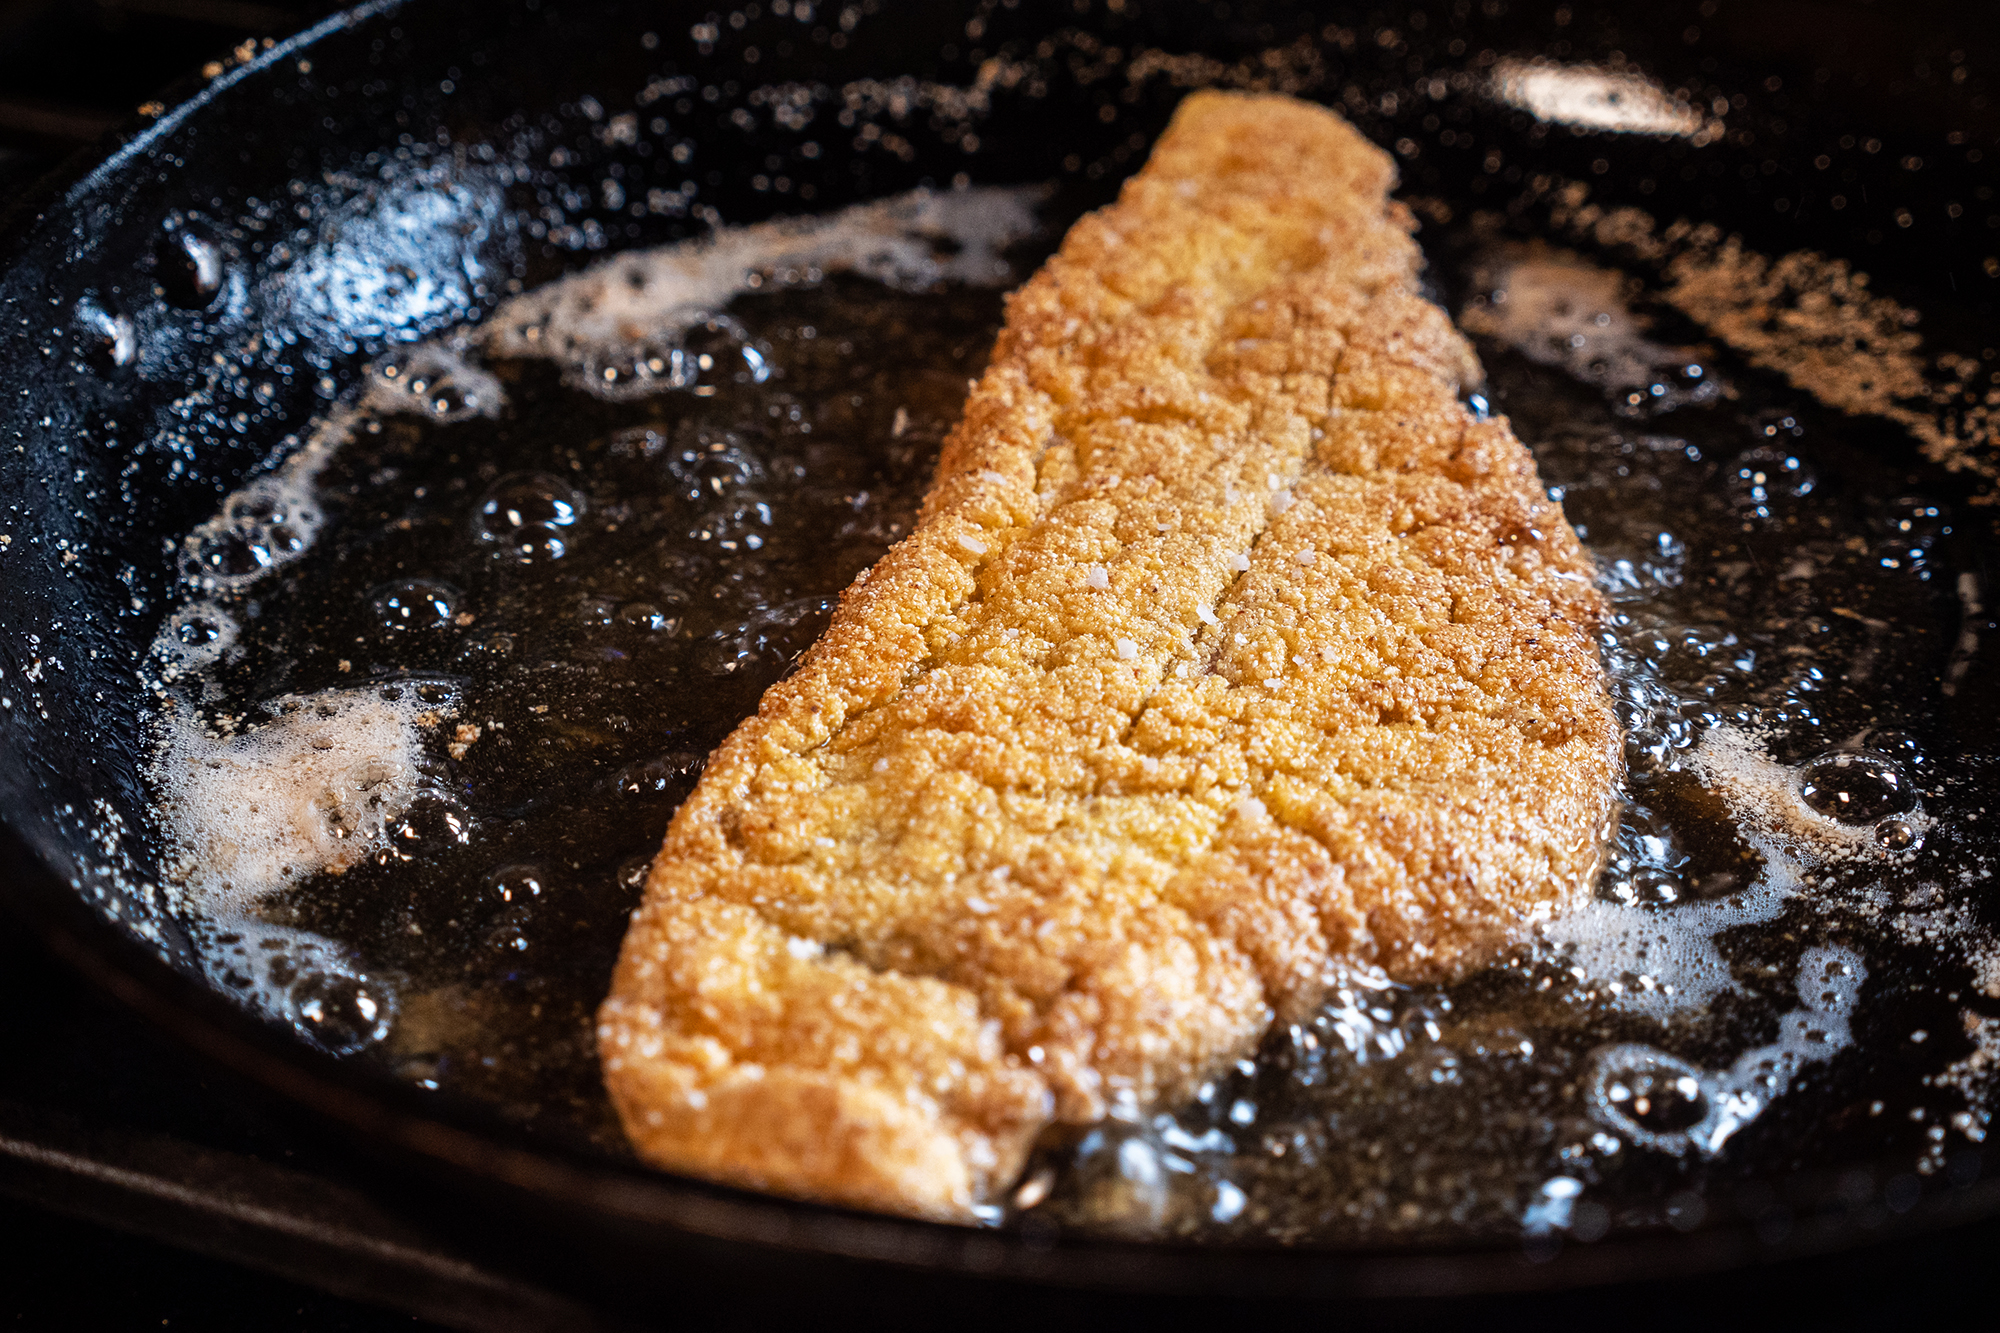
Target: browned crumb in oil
x=1814 y=320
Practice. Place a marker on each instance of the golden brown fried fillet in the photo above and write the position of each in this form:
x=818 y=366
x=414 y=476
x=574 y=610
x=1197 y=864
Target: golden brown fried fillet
x=1230 y=647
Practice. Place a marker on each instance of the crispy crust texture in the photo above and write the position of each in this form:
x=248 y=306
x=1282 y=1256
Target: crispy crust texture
x=1230 y=647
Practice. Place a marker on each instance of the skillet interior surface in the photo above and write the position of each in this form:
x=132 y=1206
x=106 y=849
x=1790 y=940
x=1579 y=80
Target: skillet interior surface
x=405 y=169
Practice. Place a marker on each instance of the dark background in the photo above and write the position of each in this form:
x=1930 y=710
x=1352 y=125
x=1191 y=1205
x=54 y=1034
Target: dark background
x=73 y=70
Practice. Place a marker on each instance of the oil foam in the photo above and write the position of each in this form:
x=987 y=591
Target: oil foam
x=618 y=329
x=252 y=813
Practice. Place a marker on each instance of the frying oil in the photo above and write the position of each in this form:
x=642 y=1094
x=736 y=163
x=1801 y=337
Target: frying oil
x=438 y=683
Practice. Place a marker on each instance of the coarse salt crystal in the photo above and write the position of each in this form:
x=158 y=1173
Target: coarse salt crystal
x=972 y=543
x=1281 y=501
x=1127 y=650
x=1240 y=561
x=1204 y=615
x=1306 y=557
x=1098 y=577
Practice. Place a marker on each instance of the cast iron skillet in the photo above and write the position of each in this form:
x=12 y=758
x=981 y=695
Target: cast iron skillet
x=172 y=315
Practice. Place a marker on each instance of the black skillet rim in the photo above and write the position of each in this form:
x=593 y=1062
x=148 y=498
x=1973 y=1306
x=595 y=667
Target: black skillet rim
x=458 y=1137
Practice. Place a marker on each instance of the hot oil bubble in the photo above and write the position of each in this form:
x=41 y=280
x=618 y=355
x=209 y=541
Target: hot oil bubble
x=514 y=885
x=515 y=897
x=1647 y=886
x=711 y=354
x=1896 y=835
x=646 y=617
x=1648 y=1096
x=521 y=499
x=536 y=544
x=1907 y=531
x=1652 y=567
x=281 y=539
x=1647 y=751
x=229 y=555
x=411 y=606
x=719 y=351
x=430 y=824
x=712 y=464
x=198 y=631
x=1856 y=787
x=352 y=805
x=515 y=925
x=1705 y=659
x=489 y=650
x=197 y=635
x=1647 y=837
x=265 y=509
x=341 y=1014
x=528 y=517
x=436 y=383
x=267 y=523
x=1765 y=477
x=448 y=400
x=672 y=774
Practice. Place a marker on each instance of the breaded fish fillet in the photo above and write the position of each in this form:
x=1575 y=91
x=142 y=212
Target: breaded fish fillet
x=1229 y=647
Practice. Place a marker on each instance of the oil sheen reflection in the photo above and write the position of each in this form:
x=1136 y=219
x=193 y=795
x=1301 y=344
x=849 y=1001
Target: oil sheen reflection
x=402 y=257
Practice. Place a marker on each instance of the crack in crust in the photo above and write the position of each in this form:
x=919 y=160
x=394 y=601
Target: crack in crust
x=1229 y=647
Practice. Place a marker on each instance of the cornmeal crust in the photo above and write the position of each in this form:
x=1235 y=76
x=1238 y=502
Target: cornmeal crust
x=1230 y=647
